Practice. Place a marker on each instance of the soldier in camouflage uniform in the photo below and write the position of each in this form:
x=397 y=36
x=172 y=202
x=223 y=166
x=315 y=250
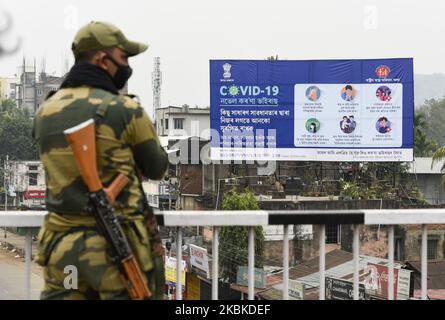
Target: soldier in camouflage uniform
x=126 y=143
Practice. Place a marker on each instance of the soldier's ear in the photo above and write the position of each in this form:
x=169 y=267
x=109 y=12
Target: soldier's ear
x=100 y=60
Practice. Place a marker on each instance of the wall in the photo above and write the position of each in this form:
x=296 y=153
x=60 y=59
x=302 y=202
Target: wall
x=273 y=252
x=190 y=179
x=412 y=240
x=190 y=203
x=195 y=122
x=432 y=188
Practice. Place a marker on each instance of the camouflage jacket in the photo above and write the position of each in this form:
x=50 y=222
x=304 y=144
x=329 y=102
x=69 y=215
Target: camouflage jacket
x=126 y=142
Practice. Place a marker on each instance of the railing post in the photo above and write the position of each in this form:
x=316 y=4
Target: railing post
x=286 y=262
x=322 y=249
x=179 y=264
x=215 y=272
x=424 y=268
x=28 y=257
x=356 y=256
x=251 y=264
x=391 y=262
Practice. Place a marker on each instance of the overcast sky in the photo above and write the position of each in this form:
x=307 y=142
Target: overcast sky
x=186 y=34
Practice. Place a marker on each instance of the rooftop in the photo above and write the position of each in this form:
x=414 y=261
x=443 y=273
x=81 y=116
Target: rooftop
x=436 y=273
x=422 y=165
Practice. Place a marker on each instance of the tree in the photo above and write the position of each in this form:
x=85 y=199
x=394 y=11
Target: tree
x=439 y=155
x=423 y=146
x=7 y=105
x=434 y=111
x=16 y=133
x=234 y=240
x=272 y=58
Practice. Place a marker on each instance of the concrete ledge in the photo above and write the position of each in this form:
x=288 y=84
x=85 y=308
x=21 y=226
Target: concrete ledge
x=22 y=218
x=261 y=217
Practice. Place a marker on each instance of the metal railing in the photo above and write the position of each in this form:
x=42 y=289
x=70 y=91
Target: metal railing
x=217 y=219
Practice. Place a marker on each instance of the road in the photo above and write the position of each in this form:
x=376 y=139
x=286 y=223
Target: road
x=12 y=278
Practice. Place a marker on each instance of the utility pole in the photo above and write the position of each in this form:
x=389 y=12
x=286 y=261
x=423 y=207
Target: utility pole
x=5 y=185
x=156 y=78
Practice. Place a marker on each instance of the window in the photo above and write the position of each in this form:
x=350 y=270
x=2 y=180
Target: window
x=332 y=234
x=32 y=178
x=398 y=249
x=166 y=124
x=432 y=249
x=179 y=123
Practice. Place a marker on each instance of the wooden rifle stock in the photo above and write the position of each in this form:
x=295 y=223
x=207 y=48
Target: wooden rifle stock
x=82 y=139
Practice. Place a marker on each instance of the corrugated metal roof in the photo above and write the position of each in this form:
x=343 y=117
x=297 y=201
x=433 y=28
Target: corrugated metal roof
x=344 y=270
x=338 y=264
x=436 y=273
x=271 y=280
x=423 y=166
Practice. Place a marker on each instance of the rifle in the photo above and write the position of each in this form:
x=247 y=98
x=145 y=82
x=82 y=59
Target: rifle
x=82 y=139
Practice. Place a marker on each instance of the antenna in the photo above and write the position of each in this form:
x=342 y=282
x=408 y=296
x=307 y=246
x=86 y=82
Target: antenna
x=156 y=77
x=43 y=65
x=65 y=63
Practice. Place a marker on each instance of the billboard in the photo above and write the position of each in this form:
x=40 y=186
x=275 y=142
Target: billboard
x=376 y=281
x=296 y=289
x=170 y=271
x=34 y=194
x=324 y=110
x=199 y=259
x=337 y=289
x=242 y=277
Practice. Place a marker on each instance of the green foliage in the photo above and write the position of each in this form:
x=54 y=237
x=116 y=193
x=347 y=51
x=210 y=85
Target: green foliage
x=356 y=192
x=434 y=117
x=438 y=156
x=377 y=180
x=234 y=240
x=7 y=105
x=423 y=146
x=16 y=133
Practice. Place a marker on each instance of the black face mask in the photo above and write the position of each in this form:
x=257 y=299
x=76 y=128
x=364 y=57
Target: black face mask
x=122 y=75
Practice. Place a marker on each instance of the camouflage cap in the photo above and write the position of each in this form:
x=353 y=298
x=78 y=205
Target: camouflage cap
x=98 y=35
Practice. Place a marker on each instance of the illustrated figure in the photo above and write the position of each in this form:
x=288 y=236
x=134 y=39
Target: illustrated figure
x=383 y=125
x=348 y=94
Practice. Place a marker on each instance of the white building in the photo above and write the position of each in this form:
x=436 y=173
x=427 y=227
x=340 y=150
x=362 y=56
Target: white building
x=26 y=183
x=183 y=121
x=7 y=88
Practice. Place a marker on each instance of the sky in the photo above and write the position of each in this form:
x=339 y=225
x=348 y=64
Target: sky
x=187 y=34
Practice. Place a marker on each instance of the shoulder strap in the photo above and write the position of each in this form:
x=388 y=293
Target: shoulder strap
x=101 y=111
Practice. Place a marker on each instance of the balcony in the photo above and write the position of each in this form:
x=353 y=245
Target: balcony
x=216 y=219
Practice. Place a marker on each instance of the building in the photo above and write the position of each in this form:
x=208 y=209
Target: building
x=46 y=84
x=31 y=89
x=7 y=88
x=26 y=183
x=183 y=121
x=25 y=88
x=429 y=179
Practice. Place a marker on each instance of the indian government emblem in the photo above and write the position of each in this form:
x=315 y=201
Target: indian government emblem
x=227 y=68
